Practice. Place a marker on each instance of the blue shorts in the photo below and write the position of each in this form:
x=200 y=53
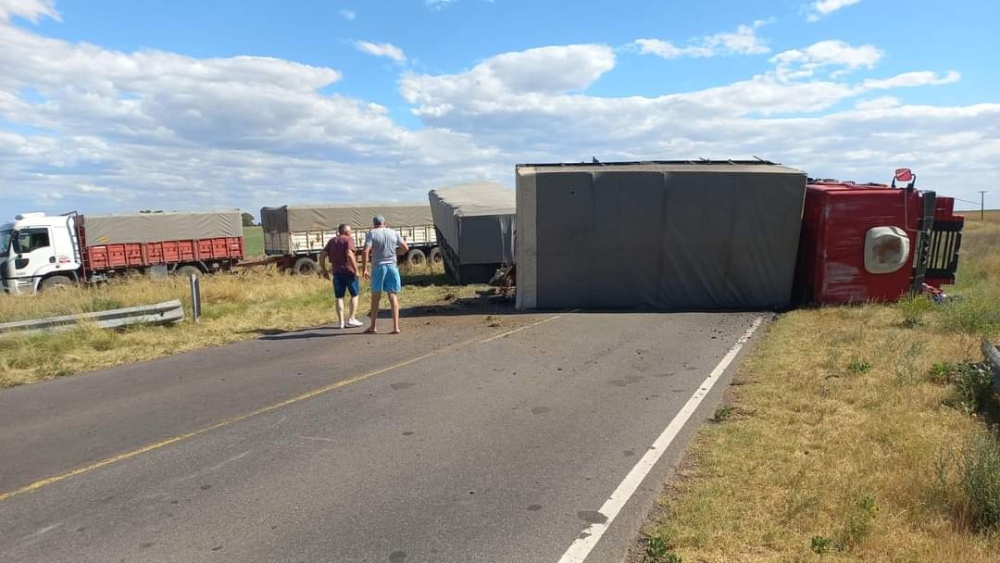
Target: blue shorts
x=385 y=278
x=343 y=283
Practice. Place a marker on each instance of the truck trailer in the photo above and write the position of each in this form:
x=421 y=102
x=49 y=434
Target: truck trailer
x=475 y=225
x=295 y=235
x=41 y=252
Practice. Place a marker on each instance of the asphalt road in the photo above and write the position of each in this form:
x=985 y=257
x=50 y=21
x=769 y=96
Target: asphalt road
x=449 y=443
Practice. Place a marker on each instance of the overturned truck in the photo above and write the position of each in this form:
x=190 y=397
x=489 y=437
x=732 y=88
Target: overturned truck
x=475 y=226
x=705 y=235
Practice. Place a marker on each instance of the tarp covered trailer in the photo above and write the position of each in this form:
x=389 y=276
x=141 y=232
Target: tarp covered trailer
x=475 y=225
x=703 y=235
x=296 y=234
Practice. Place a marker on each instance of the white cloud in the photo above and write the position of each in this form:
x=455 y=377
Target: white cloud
x=88 y=128
x=387 y=50
x=825 y=54
x=438 y=4
x=743 y=41
x=822 y=8
x=348 y=15
x=32 y=10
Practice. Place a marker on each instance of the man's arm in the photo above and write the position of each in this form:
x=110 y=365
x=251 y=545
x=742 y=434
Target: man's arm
x=322 y=263
x=403 y=247
x=364 y=255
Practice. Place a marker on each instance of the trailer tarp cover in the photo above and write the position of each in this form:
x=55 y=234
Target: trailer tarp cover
x=477 y=221
x=326 y=217
x=156 y=227
x=660 y=236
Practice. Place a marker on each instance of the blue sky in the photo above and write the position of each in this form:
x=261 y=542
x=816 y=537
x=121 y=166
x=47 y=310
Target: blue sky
x=113 y=105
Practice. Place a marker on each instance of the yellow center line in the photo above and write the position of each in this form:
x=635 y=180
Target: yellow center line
x=229 y=421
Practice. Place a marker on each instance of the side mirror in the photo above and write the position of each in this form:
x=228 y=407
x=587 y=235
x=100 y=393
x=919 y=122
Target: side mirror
x=904 y=176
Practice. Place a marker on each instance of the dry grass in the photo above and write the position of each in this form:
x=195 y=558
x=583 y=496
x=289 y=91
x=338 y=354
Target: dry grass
x=840 y=441
x=234 y=308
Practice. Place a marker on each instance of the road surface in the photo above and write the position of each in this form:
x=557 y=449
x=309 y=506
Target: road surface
x=454 y=442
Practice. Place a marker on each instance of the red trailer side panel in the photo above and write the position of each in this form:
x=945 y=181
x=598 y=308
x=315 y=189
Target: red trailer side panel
x=141 y=255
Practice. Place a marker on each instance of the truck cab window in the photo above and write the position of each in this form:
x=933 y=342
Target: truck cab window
x=4 y=243
x=29 y=240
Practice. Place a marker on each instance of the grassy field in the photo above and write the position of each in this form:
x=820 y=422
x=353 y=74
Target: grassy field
x=253 y=240
x=851 y=434
x=234 y=307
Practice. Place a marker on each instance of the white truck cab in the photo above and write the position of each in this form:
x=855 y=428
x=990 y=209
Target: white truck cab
x=38 y=252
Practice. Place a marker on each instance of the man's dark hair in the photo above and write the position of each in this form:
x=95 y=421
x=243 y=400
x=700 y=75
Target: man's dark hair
x=342 y=228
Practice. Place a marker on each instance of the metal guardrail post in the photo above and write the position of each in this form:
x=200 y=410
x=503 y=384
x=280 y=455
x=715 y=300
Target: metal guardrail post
x=992 y=355
x=196 y=298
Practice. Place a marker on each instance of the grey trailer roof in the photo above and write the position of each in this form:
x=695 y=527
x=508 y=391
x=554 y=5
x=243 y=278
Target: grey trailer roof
x=477 y=198
x=326 y=217
x=699 y=166
x=155 y=227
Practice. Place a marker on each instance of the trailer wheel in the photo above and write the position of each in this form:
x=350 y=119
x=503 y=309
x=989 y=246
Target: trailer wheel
x=305 y=266
x=436 y=256
x=56 y=282
x=416 y=258
x=187 y=271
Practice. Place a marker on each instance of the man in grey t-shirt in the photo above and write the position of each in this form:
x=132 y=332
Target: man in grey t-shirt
x=381 y=247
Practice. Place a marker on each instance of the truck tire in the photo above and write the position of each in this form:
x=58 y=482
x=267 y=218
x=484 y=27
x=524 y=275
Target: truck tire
x=416 y=258
x=305 y=266
x=186 y=271
x=436 y=257
x=55 y=282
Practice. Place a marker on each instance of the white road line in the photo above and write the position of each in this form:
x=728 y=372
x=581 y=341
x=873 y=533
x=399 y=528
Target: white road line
x=581 y=548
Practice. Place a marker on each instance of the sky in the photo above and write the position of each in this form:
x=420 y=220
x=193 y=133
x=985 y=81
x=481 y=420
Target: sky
x=118 y=105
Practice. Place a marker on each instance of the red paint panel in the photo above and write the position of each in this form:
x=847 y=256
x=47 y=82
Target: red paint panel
x=836 y=220
x=134 y=255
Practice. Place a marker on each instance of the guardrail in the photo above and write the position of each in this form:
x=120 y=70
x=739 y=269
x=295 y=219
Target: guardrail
x=992 y=355
x=161 y=313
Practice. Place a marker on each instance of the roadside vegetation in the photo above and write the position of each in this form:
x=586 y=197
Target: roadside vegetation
x=235 y=307
x=852 y=434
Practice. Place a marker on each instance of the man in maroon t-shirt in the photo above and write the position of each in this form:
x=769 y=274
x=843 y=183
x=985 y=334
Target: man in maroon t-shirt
x=340 y=251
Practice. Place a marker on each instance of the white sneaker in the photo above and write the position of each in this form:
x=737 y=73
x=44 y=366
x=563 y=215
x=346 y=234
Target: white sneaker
x=341 y=326
x=355 y=323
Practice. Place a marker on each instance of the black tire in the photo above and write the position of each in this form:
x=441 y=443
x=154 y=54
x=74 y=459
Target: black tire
x=416 y=258
x=55 y=283
x=187 y=271
x=436 y=256
x=305 y=266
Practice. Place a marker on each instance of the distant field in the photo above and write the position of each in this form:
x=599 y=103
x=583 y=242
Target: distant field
x=253 y=238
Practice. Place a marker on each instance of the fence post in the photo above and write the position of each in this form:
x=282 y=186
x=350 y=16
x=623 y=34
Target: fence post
x=196 y=297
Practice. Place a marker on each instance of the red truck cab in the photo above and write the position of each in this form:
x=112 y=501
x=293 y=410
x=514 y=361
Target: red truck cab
x=875 y=242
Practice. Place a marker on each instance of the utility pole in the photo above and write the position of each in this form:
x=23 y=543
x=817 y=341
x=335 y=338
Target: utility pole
x=982 y=205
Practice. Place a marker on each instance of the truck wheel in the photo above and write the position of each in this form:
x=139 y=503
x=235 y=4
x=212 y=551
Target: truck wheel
x=56 y=282
x=305 y=266
x=436 y=257
x=416 y=258
x=186 y=271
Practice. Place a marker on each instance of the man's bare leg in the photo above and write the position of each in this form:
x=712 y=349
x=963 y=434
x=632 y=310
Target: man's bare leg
x=376 y=297
x=340 y=311
x=394 y=304
x=354 y=308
